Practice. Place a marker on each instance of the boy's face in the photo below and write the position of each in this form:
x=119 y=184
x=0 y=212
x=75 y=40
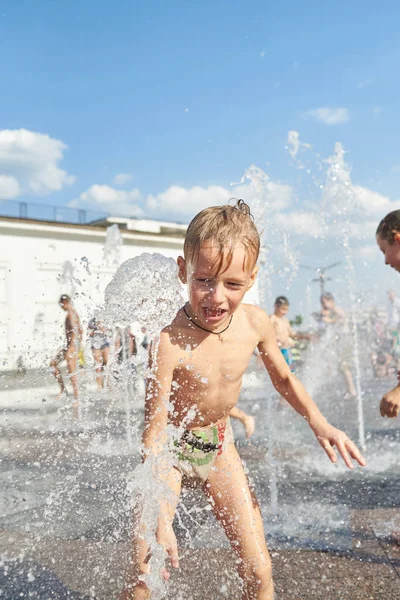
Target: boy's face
x=327 y=304
x=391 y=251
x=64 y=304
x=281 y=310
x=214 y=296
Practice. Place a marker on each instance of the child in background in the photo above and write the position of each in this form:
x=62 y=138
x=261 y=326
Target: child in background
x=388 y=240
x=284 y=333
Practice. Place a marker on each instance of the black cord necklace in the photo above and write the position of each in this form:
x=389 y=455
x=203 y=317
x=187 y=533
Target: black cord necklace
x=218 y=333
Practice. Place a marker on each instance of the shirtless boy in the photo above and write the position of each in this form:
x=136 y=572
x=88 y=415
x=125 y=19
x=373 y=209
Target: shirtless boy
x=73 y=334
x=332 y=315
x=388 y=240
x=283 y=330
x=197 y=375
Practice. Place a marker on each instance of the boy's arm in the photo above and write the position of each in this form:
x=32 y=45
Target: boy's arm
x=247 y=420
x=154 y=438
x=161 y=366
x=294 y=392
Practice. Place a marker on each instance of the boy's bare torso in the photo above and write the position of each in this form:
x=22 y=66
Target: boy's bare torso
x=208 y=369
x=72 y=328
x=283 y=331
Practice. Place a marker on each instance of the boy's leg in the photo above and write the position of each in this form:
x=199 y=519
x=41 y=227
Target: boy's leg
x=351 y=390
x=72 y=364
x=134 y=588
x=56 y=371
x=237 y=510
x=98 y=365
x=106 y=353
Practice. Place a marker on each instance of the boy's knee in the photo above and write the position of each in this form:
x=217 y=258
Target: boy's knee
x=257 y=576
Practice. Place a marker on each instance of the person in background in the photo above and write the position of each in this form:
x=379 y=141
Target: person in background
x=284 y=333
x=388 y=240
x=125 y=345
x=100 y=344
x=73 y=334
x=334 y=317
x=393 y=324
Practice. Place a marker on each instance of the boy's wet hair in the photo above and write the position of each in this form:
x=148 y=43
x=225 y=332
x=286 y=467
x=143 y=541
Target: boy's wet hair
x=227 y=227
x=389 y=226
x=327 y=296
x=64 y=298
x=282 y=301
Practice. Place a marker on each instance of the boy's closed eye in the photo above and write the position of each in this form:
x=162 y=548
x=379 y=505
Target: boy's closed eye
x=234 y=284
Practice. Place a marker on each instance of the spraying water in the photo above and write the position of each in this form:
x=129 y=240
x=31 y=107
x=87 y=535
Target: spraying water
x=112 y=246
x=339 y=201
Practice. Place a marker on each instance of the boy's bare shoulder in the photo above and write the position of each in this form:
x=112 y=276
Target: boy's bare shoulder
x=255 y=315
x=175 y=331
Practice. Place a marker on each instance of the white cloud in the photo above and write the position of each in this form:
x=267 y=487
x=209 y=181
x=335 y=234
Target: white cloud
x=179 y=202
x=329 y=116
x=9 y=187
x=108 y=199
x=29 y=163
x=371 y=203
x=255 y=187
x=370 y=251
x=122 y=178
x=300 y=223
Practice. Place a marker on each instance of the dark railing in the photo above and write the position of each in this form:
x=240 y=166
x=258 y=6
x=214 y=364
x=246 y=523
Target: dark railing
x=49 y=212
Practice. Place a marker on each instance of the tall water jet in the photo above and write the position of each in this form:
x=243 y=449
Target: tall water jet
x=339 y=202
x=259 y=193
x=112 y=246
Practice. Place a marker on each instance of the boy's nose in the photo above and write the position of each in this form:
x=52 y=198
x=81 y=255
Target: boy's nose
x=217 y=293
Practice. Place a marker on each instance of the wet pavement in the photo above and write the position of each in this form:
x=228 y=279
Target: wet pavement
x=64 y=506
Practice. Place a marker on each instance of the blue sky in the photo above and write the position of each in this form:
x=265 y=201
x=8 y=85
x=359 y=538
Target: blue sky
x=182 y=97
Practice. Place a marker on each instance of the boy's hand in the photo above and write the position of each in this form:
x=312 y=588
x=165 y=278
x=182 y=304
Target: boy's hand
x=166 y=537
x=249 y=425
x=328 y=436
x=390 y=403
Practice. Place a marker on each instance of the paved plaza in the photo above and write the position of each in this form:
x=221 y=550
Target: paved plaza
x=65 y=522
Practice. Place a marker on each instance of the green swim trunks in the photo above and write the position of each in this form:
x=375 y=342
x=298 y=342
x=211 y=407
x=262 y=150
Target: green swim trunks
x=197 y=449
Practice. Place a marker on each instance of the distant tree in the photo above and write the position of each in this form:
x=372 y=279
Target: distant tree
x=298 y=320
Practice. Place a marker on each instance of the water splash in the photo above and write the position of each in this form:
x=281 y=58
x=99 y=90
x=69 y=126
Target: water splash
x=145 y=289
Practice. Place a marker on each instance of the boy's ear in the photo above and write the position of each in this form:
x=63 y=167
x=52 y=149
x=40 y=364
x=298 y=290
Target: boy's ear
x=253 y=277
x=182 y=269
x=396 y=236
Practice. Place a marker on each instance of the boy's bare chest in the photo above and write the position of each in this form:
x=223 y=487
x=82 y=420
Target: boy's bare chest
x=212 y=361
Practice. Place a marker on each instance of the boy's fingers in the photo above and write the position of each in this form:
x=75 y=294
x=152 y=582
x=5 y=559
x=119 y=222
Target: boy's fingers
x=383 y=407
x=328 y=449
x=355 y=453
x=173 y=556
x=340 y=445
x=165 y=574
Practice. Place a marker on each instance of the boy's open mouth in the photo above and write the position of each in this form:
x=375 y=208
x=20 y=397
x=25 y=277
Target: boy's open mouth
x=213 y=314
